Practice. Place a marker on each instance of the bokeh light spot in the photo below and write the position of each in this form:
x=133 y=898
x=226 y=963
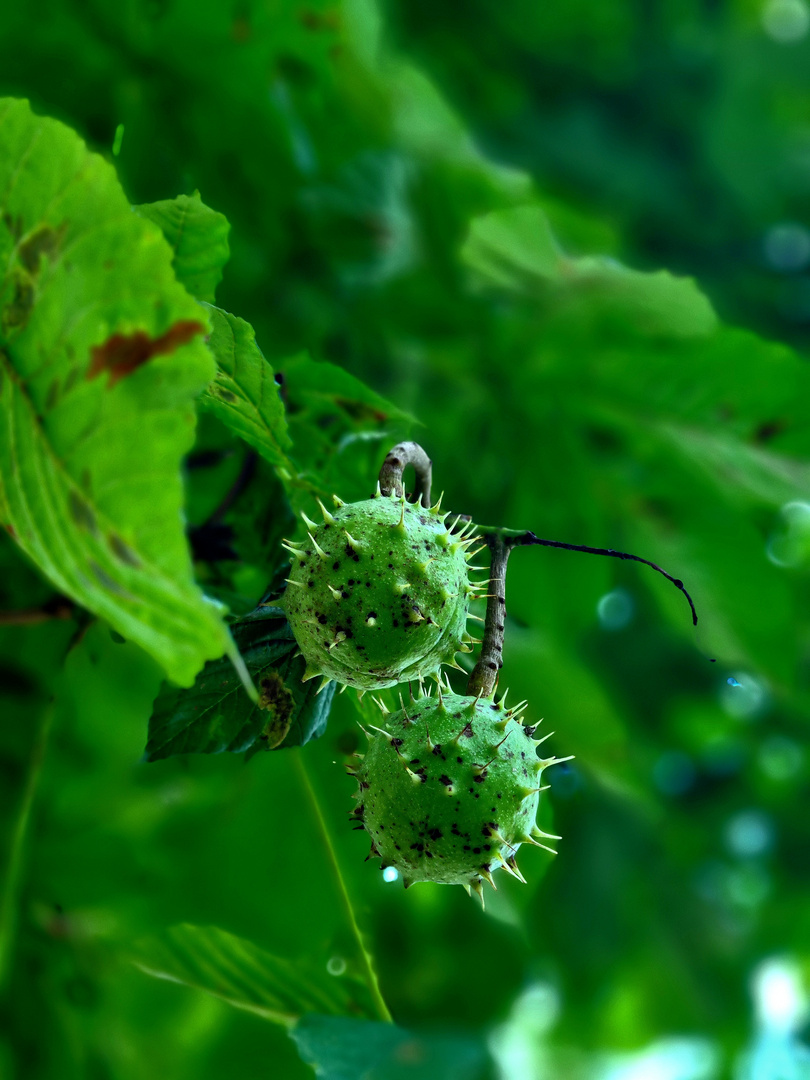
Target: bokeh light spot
x=781 y=758
x=615 y=610
x=749 y=833
x=778 y=993
x=790 y=546
x=786 y=21
x=748 y=886
x=787 y=247
x=336 y=965
x=743 y=696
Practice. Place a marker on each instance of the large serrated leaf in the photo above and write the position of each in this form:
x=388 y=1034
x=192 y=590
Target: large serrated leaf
x=101 y=358
x=244 y=394
x=198 y=236
x=248 y=977
x=216 y=715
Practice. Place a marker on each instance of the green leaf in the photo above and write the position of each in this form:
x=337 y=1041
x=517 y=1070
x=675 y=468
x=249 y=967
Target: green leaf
x=343 y=1048
x=516 y=249
x=341 y=428
x=198 y=236
x=738 y=470
x=101 y=358
x=322 y=389
x=216 y=715
x=244 y=394
x=658 y=303
x=239 y=972
x=511 y=247
x=260 y=518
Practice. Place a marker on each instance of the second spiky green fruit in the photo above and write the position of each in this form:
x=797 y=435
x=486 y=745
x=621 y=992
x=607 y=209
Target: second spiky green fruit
x=448 y=790
x=379 y=593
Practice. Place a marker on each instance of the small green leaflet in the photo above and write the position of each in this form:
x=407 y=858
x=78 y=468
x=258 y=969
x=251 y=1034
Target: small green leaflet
x=239 y=972
x=244 y=394
x=339 y=426
x=319 y=388
x=102 y=355
x=215 y=715
x=513 y=248
x=198 y=236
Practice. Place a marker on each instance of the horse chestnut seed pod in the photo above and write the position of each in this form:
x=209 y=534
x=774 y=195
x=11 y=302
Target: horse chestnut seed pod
x=449 y=789
x=379 y=592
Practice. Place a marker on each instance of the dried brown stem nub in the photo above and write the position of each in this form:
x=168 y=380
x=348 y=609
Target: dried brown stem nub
x=402 y=455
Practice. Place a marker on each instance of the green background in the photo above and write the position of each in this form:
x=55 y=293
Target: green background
x=437 y=200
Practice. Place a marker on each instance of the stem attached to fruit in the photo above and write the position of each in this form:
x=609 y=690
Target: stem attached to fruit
x=484 y=677
x=521 y=537
x=402 y=455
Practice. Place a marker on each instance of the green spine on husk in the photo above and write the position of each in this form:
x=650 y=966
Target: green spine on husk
x=449 y=790
x=379 y=592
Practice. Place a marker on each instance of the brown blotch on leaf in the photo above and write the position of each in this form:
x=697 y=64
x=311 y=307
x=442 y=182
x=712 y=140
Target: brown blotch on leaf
x=359 y=411
x=14 y=225
x=122 y=354
x=121 y=549
x=52 y=396
x=43 y=241
x=106 y=582
x=82 y=513
x=17 y=311
x=277 y=699
x=240 y=30
x=769 y=430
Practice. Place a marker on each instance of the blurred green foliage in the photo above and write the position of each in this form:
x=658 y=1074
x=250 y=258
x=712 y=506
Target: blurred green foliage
x=426 y=214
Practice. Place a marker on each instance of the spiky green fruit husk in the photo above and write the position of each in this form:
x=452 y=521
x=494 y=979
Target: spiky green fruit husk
x=379 y=593
x=448 y=791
